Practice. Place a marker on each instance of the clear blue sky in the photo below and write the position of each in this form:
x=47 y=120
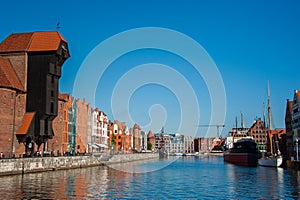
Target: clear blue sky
x=250 y=42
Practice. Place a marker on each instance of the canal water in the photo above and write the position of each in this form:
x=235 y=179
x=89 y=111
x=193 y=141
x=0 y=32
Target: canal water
x=205 y=177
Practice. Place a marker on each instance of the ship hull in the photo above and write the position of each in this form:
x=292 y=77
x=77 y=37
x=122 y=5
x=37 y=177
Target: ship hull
x=270 y=161
x=242 y=159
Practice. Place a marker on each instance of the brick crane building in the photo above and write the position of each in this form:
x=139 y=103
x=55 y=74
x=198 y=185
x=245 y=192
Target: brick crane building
x=31 y=67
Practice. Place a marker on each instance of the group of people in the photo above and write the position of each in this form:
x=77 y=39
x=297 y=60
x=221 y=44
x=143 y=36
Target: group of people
x=51 y=154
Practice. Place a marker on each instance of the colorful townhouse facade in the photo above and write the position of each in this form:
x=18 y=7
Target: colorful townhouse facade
x=151 y=141
x=137 y=138
x=203 y=145
x=292 y=124
x=289 y=129
x=98 y=136
x=121 y=139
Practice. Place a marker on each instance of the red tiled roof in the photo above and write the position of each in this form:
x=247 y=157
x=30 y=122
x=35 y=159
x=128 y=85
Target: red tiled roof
x=27 y=119
x=151 y=135
x=62 y=97
x=31 y=42
x=8 y=76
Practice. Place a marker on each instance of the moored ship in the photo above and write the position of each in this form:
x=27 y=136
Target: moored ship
x=242 y=153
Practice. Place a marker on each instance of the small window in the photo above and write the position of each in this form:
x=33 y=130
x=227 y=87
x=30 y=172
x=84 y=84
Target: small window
x=51 y=107
x=52 y=93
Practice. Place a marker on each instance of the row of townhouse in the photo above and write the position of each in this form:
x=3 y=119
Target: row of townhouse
x=78 y=127
x=292 y=125
x=81 y=129
x=174 y=143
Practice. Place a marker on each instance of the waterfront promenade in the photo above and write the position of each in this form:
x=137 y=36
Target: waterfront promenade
x=39 y=164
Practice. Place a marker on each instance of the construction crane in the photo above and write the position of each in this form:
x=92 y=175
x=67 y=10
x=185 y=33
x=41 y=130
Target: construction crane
x=214 y=125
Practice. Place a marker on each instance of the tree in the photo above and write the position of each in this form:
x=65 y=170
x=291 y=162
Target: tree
x=113 y=141
x=149 y=146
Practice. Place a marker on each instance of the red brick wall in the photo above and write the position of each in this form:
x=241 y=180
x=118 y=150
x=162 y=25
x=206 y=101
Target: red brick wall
x=81 y=128
x=12 y=109
x=137 y=139
x=67 y=106
x=60 y=126
x=55 y=144
x=127 y=145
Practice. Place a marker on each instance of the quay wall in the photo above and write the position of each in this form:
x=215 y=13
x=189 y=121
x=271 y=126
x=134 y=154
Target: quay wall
x=122 y=158
x=29 y=165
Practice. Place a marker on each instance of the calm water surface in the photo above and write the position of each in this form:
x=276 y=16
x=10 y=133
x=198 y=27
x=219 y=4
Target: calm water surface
x=186 y=178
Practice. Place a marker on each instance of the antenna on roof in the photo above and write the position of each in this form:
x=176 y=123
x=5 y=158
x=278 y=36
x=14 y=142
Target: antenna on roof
x=57 y=26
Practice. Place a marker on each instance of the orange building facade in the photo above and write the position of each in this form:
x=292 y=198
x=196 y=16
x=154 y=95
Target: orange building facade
x=120 y=138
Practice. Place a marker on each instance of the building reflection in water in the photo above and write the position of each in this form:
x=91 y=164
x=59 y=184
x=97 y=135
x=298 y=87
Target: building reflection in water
x=295 y=181
x=105 y=182
x=270 y=183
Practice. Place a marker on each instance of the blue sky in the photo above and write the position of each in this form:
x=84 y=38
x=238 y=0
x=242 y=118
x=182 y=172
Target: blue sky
x=250 y=42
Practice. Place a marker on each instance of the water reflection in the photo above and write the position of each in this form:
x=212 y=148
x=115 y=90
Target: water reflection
x=294 y=182
x=202 y=177
x=144 y=166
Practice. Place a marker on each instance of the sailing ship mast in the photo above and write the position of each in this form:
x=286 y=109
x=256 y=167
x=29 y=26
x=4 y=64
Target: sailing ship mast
x=270 y=120
x=274 y=160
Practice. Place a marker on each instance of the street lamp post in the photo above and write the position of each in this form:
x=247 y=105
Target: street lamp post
x=297 y=153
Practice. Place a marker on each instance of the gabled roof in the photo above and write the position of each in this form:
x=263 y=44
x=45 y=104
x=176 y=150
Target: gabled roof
x=27 y=120
x=150 y=134
x=136 y=126
x=103 y=113
x=8 y=76
x=121 y=125
x=32 y=42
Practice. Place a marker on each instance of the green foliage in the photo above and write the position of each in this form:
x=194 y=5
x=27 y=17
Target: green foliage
x=149 y=146
x=113 y=139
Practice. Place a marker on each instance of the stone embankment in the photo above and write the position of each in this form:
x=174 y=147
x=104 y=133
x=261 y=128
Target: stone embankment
x=29 y=165
x=123 y=158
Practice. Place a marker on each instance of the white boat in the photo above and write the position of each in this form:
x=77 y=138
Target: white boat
x=270 y=161
x=275 y=159
x=178 y=154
